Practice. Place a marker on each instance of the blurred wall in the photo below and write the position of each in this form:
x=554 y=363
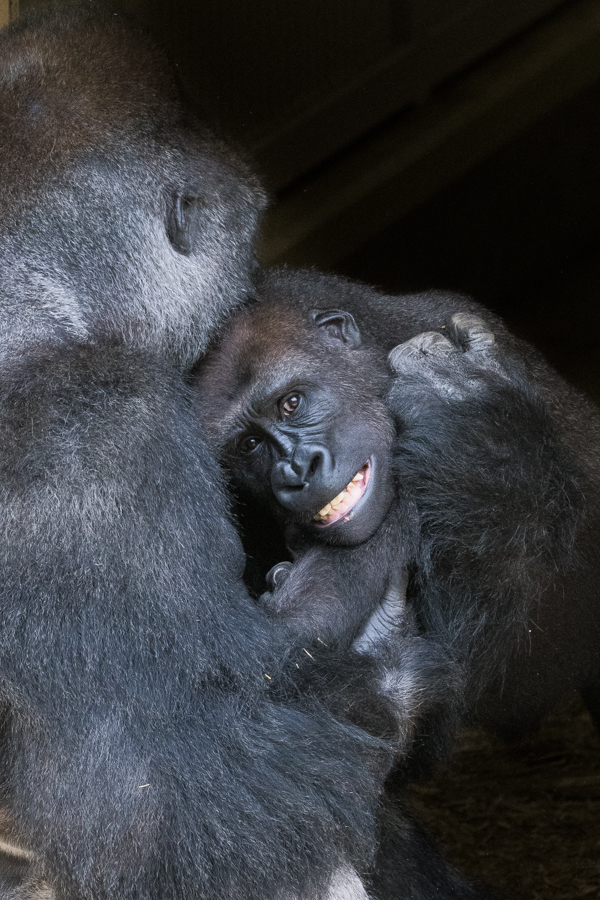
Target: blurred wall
x=295 y=82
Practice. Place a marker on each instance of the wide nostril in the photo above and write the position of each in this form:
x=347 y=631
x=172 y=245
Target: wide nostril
x=297 y=473
x=314 y=465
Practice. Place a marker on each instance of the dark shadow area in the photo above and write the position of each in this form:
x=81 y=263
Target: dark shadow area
x=521 y=233
x=523 y=817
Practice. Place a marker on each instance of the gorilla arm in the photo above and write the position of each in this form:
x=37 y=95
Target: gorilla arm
x=371 y=664
x=329 y=592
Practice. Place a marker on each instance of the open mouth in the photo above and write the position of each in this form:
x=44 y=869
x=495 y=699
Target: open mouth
x=347 y=499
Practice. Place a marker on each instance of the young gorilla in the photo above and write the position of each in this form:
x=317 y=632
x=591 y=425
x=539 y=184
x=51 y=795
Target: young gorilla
x=296 y=407
x=305 y=433
x=475 y=467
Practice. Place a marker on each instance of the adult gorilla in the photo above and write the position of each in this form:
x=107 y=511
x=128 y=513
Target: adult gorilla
x=144 y=751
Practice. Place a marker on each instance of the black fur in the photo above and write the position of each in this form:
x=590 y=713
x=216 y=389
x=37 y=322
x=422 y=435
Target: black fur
x=145 y=754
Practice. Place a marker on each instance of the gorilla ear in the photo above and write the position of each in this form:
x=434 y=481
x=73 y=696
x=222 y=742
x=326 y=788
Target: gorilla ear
x=183 y=221
x=337 y=325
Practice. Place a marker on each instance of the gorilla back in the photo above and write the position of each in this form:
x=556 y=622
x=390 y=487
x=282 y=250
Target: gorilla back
x=144 y=753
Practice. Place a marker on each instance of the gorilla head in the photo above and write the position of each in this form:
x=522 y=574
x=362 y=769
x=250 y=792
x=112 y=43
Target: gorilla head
x=296 y=404
x=120 y=215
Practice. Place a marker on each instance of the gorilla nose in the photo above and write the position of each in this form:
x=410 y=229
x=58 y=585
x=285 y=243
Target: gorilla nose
x=286 y=475
x=291 y=476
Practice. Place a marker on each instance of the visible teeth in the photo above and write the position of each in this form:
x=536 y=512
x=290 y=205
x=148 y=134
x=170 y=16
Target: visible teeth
x=344 y=495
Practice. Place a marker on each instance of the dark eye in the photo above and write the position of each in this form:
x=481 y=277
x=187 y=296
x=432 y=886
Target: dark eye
x=289 y=404
x=249 y=444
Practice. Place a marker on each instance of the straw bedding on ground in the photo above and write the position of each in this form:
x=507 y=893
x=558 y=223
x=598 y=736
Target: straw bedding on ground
x=523 y=818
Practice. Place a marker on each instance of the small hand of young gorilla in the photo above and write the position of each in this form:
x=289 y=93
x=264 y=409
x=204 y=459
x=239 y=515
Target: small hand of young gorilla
x=278 y=575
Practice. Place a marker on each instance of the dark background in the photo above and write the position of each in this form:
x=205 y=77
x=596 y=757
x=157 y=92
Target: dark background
x=520 y=231
x=349 y=110
x=297 y=80
x=451 y=144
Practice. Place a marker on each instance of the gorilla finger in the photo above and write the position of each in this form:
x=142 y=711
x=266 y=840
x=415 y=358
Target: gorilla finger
x=429 y=342
x=278 y=575
x=471 y=332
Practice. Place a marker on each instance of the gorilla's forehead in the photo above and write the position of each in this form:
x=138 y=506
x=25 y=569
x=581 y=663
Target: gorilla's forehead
x=262 y=377
x=86 y=57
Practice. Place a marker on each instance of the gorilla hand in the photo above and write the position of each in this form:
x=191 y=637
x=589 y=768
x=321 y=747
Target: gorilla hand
x=276 y=577
x=278 y=574
x=447 y=363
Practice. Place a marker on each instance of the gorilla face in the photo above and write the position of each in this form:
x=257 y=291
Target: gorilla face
x=121 y=216
x=304 y=431
x=327 y=472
